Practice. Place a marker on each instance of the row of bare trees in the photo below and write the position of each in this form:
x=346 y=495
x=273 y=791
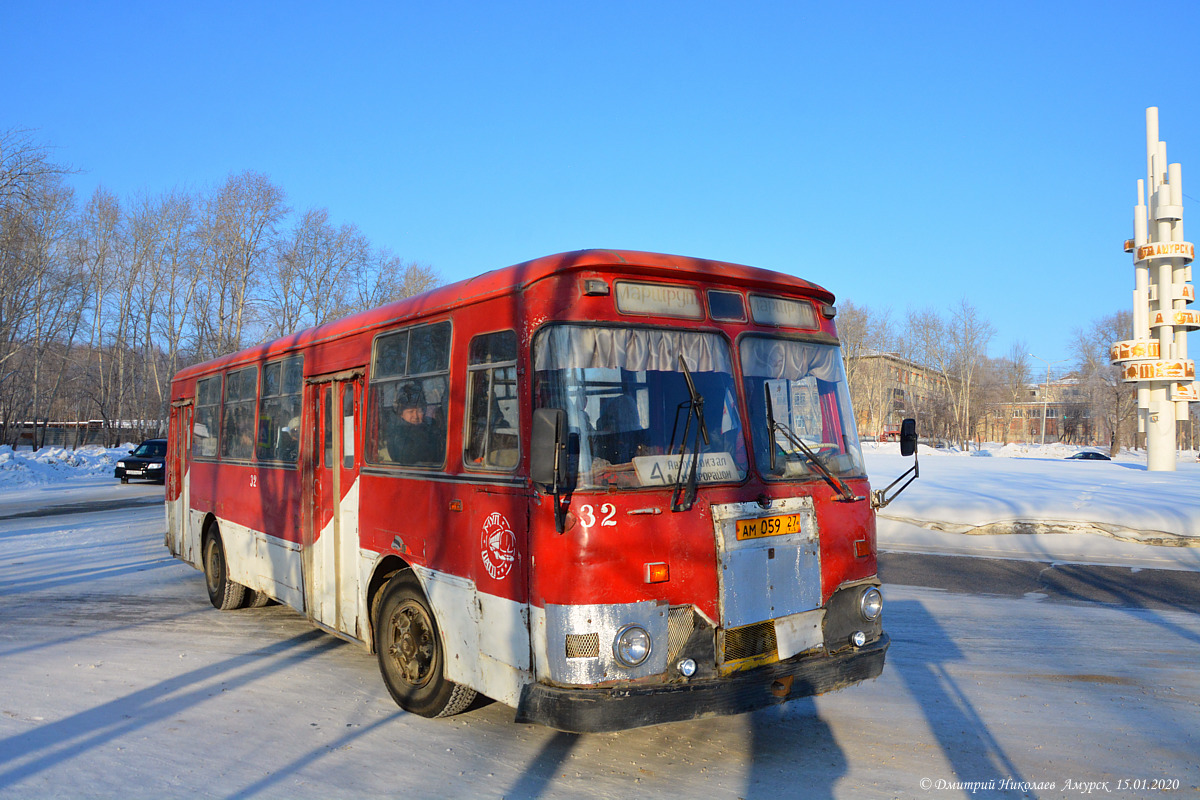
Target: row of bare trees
x=960 y=394
x=948 y=351
x=101 y=302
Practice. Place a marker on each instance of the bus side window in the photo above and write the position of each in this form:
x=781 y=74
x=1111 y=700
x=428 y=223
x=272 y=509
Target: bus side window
x=208 y=415
x=279 y=411
x=237 y=433
x=492 y=440
x=348 y=426
x=408 y=398
x=327 y=423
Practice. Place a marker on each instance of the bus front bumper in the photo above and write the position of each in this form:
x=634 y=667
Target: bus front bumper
x=615 y=708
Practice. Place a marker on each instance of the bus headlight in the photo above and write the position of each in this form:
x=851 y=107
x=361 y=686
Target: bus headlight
x=870 y=604
x=632 y=645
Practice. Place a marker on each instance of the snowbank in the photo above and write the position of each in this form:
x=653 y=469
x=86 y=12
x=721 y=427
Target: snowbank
x=55 y=464
x=1023 y=489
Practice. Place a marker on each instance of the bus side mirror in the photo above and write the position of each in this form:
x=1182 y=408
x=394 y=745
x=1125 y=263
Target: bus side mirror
x=908 y=447
x=908 y=437
x=548 y=450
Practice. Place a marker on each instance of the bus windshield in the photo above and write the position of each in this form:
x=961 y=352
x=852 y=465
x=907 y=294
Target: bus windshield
x=628 y=406
x=797 y=390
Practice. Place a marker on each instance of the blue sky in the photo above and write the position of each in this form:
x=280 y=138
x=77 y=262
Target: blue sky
x=904 y=155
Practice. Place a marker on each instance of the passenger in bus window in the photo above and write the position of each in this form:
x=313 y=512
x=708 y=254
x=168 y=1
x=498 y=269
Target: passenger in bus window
x=289 y=440
x=411 y=439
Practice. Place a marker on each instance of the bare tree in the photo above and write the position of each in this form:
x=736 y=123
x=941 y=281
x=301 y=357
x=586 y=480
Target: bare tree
x=1113 y=402
x=157 y=282
x=924 y=343
x=97 y=252
x=24 y=167
x=874 y=371
x=177 y=278
x=236 y=233
x=385 y=278
x=1013 y=379
x=60 y=296
x=315 y=272
x=323 y=272
x=969 y=336
x=35 y=305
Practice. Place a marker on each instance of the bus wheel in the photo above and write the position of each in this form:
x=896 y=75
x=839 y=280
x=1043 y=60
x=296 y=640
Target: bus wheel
x=411 y=656
x=257 y=599
x=222 y=592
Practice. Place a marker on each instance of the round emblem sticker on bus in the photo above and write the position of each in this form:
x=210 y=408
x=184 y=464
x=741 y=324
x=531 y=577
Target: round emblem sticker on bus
x=499 y=546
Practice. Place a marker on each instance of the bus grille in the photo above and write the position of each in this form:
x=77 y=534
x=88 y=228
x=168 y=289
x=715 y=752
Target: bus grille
x=680 y=624
x=749 y=641
x=583 y=645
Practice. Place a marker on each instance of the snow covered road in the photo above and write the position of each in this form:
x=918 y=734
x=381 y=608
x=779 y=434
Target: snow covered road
x=118 y=678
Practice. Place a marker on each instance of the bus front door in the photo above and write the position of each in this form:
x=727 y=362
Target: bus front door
x=331 y=567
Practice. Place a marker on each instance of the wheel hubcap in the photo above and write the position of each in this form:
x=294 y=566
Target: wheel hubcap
x=212 y=574
x=412 y=648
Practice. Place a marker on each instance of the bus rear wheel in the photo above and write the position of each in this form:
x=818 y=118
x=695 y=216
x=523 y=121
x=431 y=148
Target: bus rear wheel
x=223 y=593
x=411 y=656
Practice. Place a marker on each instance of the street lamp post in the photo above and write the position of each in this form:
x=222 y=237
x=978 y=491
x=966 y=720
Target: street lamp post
x=1046 y=393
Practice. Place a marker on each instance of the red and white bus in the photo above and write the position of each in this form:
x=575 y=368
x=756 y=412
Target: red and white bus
x=606 y=488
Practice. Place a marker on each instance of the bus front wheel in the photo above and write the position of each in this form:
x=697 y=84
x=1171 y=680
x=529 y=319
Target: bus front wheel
x=411 y=656
x=222 y=592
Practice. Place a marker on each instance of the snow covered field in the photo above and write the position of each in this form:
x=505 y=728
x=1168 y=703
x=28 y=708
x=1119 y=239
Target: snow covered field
x=1023 y=501
x=117 y=678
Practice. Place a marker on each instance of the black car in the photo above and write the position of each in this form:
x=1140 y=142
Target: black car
x=148 y=460
x=1089 y=455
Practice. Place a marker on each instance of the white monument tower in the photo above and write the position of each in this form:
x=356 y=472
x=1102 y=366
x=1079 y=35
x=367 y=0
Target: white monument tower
x=1156 y=358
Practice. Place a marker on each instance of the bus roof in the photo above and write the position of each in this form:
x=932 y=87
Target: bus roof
x=507 y=280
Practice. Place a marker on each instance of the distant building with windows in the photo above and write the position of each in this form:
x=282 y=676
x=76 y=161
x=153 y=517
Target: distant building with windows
x=886 y=388
x=1064 y=404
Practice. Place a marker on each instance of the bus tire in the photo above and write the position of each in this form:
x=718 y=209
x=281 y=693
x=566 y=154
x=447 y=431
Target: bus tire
x=224 y=594
x=257 y=599
x=410 y=652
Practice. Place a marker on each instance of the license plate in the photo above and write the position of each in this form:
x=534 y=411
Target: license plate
x=133 y=472
x=768 y=526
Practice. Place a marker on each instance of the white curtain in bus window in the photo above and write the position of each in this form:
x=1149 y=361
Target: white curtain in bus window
x=409 y=397
x=279 y=411
x=628 y=405
x=781 y=358
x=208 y=415
x=237 y=432
x=492 y=434
x=630 y=349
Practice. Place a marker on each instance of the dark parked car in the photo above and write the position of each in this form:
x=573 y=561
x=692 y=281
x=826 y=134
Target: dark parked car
x=147 y=460
x=1089 y=455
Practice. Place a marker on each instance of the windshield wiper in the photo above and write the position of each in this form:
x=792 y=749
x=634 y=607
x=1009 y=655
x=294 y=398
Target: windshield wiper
x=695 y=407
x=773 y=426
